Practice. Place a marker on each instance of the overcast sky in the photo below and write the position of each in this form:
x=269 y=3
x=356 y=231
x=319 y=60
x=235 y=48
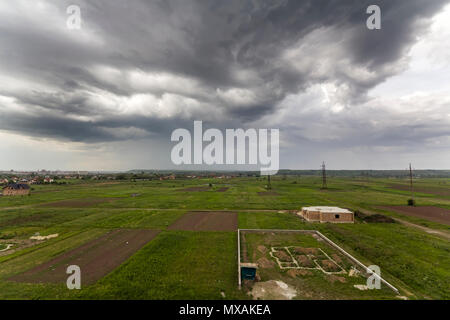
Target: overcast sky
x=108 y=96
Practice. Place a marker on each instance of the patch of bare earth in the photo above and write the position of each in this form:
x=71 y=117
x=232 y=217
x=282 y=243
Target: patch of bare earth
x=262 y=249
x=282 y=256
x=434 y=214
x=329 y=265
x=206 y=221
x=312 y=251
x=273 y=290
x=223 y=189
x=298 y=272
x=17 y=244
x=265 y=263
x=336 y=258
x=304 y=261
x=95 y=258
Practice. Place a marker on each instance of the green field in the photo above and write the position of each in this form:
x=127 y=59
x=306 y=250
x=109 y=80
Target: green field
x=203 y=265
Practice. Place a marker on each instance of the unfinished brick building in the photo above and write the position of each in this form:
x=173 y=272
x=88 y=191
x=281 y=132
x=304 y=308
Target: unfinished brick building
x=327 y=214
x=16 y=189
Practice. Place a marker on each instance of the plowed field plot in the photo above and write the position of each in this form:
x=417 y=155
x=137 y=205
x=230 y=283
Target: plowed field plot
x=95 y=258
x=435 y=214
x=206 y=221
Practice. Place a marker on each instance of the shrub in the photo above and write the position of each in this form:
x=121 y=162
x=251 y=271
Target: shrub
x=411 y=202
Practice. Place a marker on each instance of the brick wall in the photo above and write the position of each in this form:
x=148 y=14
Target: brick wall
x=336 y=217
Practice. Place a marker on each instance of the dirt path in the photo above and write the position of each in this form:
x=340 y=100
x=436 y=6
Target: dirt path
x=435 y=214
x=17 y=207
x=440 y=233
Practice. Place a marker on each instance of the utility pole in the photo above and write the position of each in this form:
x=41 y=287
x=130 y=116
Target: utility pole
x=269 y=186
x=411 y=181
x=324 y=176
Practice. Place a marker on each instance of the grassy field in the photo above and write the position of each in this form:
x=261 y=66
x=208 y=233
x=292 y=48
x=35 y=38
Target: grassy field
x=203 y=265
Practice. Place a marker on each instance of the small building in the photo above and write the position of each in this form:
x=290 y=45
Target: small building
x=16 y=189
x=327 y=214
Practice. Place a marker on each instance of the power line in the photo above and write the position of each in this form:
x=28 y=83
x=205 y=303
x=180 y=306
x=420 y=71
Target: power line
x=324 y=176
x=411 y=181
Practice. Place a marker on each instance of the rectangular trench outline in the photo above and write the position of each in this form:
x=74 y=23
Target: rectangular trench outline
x=318 y=267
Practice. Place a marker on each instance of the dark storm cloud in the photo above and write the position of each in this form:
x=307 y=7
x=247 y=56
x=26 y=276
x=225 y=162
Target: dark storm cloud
x=70 y=129
x=226 y=61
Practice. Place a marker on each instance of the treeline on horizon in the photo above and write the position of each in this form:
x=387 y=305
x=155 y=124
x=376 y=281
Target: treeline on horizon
x=288 y=172
x=148 y=174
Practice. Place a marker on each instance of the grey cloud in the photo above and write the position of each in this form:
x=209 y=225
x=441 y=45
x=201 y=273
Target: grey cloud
x=209 y=42
x=372 y=125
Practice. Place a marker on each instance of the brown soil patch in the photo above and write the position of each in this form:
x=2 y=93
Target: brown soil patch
x=312 y=251
x=304 y=261
x=95 y=258
x=78 y=203
x=206 y=221
x=195 y=189
x=373 y=218
x=336 y=258
x=435 y=214
x=262 y=249
x=268 y=193
x=430 y=190
x=298 y=272
x=273 y=290
x=329 y=265
x=282 y=256
x=265 y=263
x=223 y=189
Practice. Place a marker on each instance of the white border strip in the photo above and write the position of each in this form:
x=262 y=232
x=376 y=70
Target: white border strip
x=239 y=258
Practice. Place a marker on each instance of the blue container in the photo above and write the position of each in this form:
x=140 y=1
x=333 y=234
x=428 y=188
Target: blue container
x=248 y=273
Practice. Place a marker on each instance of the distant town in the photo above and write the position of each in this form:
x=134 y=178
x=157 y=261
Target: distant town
x=62 y=177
